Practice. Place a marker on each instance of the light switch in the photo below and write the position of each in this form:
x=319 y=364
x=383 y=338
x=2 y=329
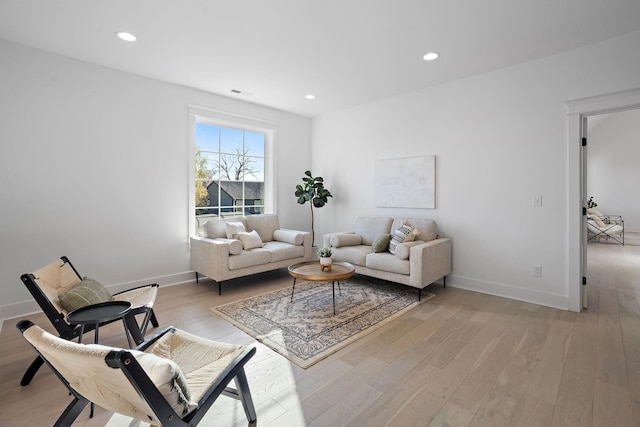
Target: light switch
x=537 y=200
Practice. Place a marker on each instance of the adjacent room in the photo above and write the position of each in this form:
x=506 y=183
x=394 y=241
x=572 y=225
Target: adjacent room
x=371 y=212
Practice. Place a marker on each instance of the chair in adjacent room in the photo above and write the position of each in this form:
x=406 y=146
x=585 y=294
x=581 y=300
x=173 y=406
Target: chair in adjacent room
x=49 y=283
x=606 y=227
x=170 y=380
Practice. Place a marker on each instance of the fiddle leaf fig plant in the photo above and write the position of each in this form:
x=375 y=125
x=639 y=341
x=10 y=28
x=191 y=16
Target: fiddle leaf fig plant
x=312 y=190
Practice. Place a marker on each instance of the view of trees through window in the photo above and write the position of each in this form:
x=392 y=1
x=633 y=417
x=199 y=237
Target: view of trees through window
x=229 y=172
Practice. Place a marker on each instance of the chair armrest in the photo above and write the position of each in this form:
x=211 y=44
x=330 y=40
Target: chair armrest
x=209 y=256
x=429 y=262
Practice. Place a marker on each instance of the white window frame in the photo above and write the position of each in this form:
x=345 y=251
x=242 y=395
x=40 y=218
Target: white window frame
x=198 y=114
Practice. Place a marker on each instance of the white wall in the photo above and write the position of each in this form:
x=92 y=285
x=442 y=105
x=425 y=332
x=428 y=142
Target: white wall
x=614 y=166
x=499 y=138
x=94 y=165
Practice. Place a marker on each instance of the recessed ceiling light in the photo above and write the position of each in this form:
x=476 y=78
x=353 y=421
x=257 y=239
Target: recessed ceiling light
x=310 y=96
x=431 y=56
x=128 y=37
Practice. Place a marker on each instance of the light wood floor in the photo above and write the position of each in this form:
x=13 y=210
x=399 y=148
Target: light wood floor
x=460 y=359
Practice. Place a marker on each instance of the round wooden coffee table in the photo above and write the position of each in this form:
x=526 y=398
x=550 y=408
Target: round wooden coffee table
x=312 y=271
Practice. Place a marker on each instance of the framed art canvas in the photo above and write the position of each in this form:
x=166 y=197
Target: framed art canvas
x=406 y=182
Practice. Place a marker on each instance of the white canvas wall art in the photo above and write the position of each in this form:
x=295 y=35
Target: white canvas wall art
x=406 y=182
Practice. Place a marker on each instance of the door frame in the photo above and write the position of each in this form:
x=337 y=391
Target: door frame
x=577 y=110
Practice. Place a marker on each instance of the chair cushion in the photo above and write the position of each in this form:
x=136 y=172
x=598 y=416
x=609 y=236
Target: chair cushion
x=87 y=292
x=169 y=379
x=250 y=240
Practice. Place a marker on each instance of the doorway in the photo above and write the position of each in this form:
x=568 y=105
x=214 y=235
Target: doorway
x=578 y=112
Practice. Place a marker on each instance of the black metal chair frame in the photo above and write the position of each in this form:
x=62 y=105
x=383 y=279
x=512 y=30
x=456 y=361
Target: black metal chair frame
x=125 y=361
x=71 y=331
x=595 y=232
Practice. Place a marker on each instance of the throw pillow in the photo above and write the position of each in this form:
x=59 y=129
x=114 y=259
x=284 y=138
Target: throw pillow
x=87 y=292
x=403 y=250
x=250 y=240
x=169 y=379
x=288 y=236
x=234 y=228
x=339 y=240
x=381 y=244
x=406 y=233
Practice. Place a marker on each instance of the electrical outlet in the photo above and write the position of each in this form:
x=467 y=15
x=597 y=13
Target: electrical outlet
x=537 y=271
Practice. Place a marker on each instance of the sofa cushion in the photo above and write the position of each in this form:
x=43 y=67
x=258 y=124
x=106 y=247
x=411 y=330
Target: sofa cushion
x=428 y=228
x=346 y=239
x=406 y=233
x=233 y=228
x=264 y=224
x=289 y=236
x=353 y=254
x=385 y=261
x=250 y=239
x=371 y=228
x=249 y=259
x=216 y=228
x=403 y=249
x=281 y=251
x=381 y=244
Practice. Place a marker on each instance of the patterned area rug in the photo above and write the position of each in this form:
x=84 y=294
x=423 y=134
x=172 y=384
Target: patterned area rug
x=306 y=330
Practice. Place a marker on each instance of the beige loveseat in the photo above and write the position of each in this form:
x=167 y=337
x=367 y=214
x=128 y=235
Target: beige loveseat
x=224 y=255
x=422 y=260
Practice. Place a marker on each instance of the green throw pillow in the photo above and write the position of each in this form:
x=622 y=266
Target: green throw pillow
x=87 y=292
x=381 y=243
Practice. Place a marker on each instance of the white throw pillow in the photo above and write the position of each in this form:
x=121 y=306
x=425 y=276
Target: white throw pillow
x=250 y=240
x=234 y=228
x=339 y=240
x=289 y=236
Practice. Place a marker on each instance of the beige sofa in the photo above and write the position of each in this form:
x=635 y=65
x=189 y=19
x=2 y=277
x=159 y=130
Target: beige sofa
x=416 y=263
x=223 y=256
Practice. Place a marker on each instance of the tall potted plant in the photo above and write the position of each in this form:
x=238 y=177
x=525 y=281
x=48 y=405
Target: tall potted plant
x=312 y=190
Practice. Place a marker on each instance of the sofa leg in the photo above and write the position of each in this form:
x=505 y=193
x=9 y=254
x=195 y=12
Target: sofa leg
x=419 y=295
x=444 y=281
x=197 y=278
x=219 y=288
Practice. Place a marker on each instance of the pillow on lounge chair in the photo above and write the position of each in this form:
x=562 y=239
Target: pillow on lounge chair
x=87 y=292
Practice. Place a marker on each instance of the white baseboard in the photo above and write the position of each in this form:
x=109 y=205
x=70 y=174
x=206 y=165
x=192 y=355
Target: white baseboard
x=23 y=309
x=508 y=291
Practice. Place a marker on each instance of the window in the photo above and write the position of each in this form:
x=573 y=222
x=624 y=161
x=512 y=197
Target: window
x=231 y=165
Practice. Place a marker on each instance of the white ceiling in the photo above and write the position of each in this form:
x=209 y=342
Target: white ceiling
x=346 y=52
